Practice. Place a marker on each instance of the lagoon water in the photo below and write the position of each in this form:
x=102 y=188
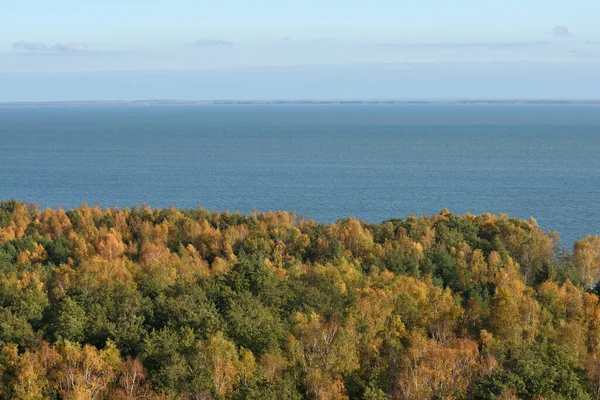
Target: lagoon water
x=325 y=162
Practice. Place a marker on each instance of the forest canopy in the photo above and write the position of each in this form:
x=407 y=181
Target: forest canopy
x=148 y=303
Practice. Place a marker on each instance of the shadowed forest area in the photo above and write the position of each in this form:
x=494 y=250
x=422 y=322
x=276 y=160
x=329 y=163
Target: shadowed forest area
x=148 y=303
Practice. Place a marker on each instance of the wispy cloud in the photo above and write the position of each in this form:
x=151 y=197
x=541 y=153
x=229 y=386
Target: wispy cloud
x=72 y=47
x=456 y=45
x=213 y=42
x=561 y=31
x=27 y=46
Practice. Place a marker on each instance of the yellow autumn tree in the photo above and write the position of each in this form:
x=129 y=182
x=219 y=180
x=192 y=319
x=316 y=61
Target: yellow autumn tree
x=85 y=372
x=587 y=258
x=432 y=370
x=223 y=361
x=327 y=350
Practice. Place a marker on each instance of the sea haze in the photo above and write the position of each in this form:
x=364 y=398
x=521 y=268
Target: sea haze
x=325 y=162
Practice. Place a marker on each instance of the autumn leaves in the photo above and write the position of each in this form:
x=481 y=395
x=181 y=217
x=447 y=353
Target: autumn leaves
x=188 y=304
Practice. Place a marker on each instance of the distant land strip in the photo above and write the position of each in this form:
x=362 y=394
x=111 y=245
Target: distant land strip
x=159 y=102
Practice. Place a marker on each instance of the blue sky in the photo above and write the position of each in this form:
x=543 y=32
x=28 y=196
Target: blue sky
x=112 y=21
x=510 y=40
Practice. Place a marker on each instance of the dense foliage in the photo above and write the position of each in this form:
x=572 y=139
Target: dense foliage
x=191 y=304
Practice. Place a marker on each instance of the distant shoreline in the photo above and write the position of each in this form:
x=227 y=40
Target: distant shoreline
x=158 y=102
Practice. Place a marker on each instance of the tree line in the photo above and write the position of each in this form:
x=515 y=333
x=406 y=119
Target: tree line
x=148 y=303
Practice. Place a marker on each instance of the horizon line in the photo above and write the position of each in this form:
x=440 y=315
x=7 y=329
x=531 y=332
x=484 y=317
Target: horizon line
x=300 y=101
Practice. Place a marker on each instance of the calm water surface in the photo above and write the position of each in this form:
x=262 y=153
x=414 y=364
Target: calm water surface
x=324 y=161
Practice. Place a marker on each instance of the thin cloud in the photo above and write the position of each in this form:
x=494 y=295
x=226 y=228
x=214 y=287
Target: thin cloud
x=490 y=45
x=561 y=31
x=213 y=42
x=72 y=47
x=22 y=45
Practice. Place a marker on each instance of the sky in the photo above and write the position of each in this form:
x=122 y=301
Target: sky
x=108 y=50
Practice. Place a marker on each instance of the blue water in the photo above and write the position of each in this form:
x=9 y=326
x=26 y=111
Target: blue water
x=323 y=161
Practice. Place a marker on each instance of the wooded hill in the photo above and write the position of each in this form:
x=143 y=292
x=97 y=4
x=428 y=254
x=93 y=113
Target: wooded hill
x=189 y=304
